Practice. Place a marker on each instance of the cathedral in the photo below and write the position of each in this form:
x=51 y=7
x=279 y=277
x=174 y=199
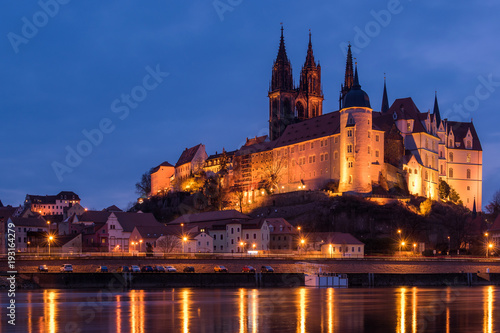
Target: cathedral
x=397 y=150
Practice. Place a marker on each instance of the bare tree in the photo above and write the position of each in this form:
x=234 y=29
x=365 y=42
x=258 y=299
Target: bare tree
x=168 y=243
x=273 y=173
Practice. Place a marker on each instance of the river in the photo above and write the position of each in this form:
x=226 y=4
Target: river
x=302 y=309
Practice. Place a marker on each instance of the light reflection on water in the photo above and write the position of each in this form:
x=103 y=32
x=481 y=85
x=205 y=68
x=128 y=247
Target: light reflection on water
x=301 y=310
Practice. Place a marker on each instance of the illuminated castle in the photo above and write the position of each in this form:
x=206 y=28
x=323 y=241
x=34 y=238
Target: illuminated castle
x=355 y=149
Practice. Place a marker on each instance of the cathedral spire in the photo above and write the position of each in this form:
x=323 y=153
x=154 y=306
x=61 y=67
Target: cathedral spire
x=282 y=78
x=436 y=110
x=474 y=211
x=310 y=56
x=348 y=80
x=355 y=84
x=385 y=100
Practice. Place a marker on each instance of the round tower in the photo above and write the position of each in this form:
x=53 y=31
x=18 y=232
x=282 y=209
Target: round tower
x=355 y=140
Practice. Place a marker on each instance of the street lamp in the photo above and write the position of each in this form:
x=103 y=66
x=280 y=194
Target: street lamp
x=140 y=245
x=449 y=245
x=50 y=240
x=414 y=248
x=184 y=239
x=488 y=249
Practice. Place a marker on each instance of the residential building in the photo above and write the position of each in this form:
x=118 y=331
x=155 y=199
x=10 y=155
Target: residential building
x=51 y=204
x=28 y=228
x=335 y=244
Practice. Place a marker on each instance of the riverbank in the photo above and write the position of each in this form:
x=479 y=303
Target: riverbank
x=125 y=281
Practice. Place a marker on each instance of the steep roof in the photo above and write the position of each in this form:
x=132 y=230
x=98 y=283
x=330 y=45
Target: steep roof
x=112 y=208
x=6 y=212
x=129 y=221
x=29 y=222
x=460 y=130
x=317 y=127
x=280 y=226
x=211 y=217
x=51 y=199
x=94 y=216
x=152 y=231
x=188 y=155
x=334 y=238
x=165 y=164
x=496 y=225
x=405 y=108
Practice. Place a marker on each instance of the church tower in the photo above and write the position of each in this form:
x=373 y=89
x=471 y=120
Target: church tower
x=281 y=94
x=355 y=140
x=348 y=79
x=309 y=102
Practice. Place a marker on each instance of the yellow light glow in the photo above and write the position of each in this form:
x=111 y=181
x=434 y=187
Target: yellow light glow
x=302 y=241
x=490 y=245
x=403 y=243
x=184 y=239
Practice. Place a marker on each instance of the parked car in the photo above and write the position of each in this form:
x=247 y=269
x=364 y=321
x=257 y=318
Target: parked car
x=135 y=269
x=170 y=269
x=248 y=269
x=147 y=269
x=66 y=268
x=159 y=269
x=124 y=269
x=220 y=269
x=43 y=268
x=267 y=269
x=188 y=269
x=102 y=269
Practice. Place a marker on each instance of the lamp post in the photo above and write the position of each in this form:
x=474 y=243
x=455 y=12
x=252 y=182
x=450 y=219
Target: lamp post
x=414 y=248
x=242 y=248
x=184 y=239
x=140 y=245
x=50 y=240
x=489 y=247
x=449 y=245
x=401 y=247
x=302 y=242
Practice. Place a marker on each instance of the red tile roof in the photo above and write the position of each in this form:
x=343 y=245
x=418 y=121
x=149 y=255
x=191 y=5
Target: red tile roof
x=188 y=155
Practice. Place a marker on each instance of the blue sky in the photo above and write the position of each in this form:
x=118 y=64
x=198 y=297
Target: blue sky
x=63 y=76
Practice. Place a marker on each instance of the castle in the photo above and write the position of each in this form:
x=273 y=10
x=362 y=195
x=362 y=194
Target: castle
x=353 y=150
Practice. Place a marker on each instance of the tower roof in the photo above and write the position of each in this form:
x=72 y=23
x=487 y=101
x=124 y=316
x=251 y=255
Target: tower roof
x=310 y=55
x=348 y=79
x=282 y=50
x=385 y=100
x=356 y=97
x=436 y=110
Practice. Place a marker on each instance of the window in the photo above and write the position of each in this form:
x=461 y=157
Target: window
x=468 y=144
x=350 y=164
x=377 y=138
x=232 y=231
x=468 y=173
x=468 y=188
x=450 y=172
x=312 y=145
x=221 y=236
x=312 y=159
x=349 y=133
x=335 y=155
x=468 y=158
x=349 y=148
x=409 y=171
x=321 y=157
x=369 y=150
x=369 y=135
x=232 y=241
x=336 y=139
x=377 y=153
x=350 y=179
x=246 y=236
x=326 y=156
x=254 y=236
x=408 y=126
x=451 y=157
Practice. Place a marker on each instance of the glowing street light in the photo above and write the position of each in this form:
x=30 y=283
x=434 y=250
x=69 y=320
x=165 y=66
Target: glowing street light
x=50 y=240
x=488 y=249
x=184 y=240
x=140 y=245
x=414 y=248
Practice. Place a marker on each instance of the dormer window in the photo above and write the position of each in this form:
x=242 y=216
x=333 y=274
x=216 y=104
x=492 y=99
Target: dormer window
x=408 y=126
x=468 y=144
x=349 y=133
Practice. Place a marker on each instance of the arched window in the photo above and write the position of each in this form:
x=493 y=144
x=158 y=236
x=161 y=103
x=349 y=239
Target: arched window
x=451 y=157
x=450 y=173
x=300 y=111
x=468 y=173
x=350 y=179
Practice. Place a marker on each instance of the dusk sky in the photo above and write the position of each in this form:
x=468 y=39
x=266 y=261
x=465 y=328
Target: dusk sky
x=66 y=73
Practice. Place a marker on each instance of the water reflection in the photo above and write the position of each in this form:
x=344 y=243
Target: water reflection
x=488 y=310
x=407 y=309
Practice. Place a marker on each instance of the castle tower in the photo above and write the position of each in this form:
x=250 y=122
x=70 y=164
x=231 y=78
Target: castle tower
x=281 y=93
x=355 y=140
x=348 y=79
x=309 y=102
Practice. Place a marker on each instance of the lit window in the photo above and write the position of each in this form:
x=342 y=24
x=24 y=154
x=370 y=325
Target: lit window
x=450 y=173
x=468 y=158
x=349 y=148
x=451 y=157
x=468 y=173
x=349 y=133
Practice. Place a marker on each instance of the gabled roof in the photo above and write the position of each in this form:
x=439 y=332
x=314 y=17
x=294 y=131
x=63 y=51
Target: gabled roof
x=152 y=231
x=280 y=226
x=112 y=208
x=496 y=225
x=6 y=212
x=94 y=216
x=129 y=221
x=51 y=199
x=460 y=130
x=164 y=164
x=29 y=222
x=216 y=216
x=218 y=155
x=313 y=128
x=333 y=238
x=405 y=108
x=188 y=155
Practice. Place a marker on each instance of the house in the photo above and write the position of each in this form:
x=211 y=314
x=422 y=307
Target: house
x=120 y=226
x=68 y=244
x=51 y=204
x=92 y=225
x=284 y=236
x=191 y=161
x=335 y=244
x=27 y=230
